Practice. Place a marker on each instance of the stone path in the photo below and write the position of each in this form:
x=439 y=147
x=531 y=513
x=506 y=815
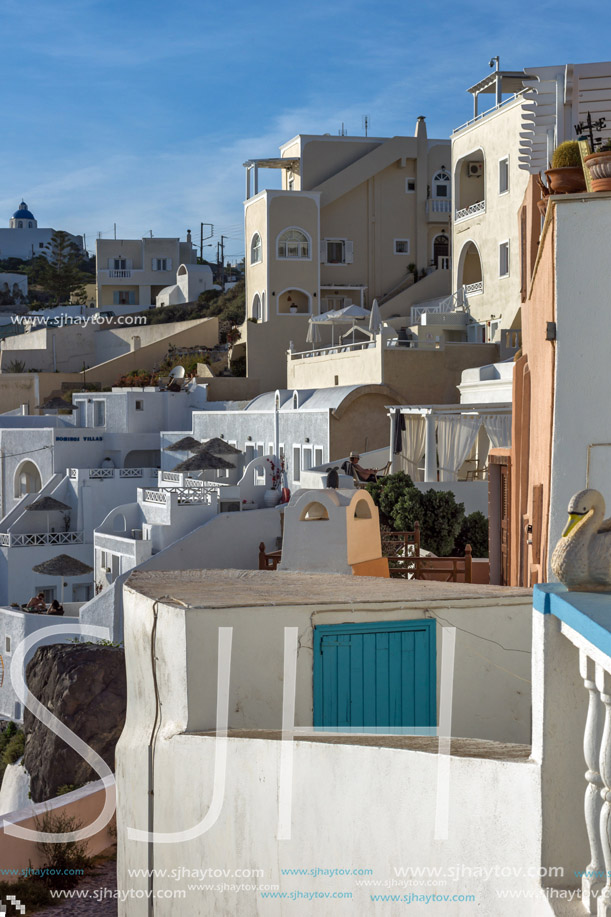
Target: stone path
x=102 y=879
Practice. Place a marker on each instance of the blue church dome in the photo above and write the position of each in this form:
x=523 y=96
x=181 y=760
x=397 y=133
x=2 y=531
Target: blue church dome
x=23 y=213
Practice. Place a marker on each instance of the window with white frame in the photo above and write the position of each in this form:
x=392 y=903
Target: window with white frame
x=504 y=259
x=307 y=458
x=293 y=243
x=401 y=246
x=503 y=175
x=296 y=463
x=441 y=184
x=249 y=452
x=256 y=249
x=7 y=644
x=118 y=264
x=410 y=185
x=318 y=456
x=162 y=264
x=336 y=251
x=99 y=413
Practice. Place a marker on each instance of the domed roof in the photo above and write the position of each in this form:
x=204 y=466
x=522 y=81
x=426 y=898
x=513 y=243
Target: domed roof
x=23 y=213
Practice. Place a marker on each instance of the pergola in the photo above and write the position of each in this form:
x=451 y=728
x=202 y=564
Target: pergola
x=445 y=435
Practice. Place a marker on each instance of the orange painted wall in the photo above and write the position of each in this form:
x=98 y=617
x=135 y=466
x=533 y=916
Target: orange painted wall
x=533 y=405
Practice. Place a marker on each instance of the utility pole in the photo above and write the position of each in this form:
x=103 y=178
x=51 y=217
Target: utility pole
x=223 y=263
x=202 y=237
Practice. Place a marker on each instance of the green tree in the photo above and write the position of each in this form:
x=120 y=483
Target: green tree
x=62 y=275
x=473 y=531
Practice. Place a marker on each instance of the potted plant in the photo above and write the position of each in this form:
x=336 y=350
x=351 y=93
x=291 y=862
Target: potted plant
x=273 y=494
x=566 y=174
x=599 y=164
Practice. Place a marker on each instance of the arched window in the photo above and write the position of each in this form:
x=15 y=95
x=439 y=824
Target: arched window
x=441 y=247
x=30 y=225
x=27 y=479
x=295 y=401
x=441 y=184
x=293 y=243
x=256 y=307
x=256 y=250
x=362 y=510
x=20 y=224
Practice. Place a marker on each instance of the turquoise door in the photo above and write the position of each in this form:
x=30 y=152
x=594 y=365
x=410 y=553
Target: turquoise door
x=375 y=677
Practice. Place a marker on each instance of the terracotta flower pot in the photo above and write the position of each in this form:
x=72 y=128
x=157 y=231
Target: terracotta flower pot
x=566 y=180
x=599 y=165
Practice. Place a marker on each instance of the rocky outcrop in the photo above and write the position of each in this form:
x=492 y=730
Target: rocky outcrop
x=84 y=686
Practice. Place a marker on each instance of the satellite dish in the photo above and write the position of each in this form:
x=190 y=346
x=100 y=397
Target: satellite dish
x=178 y=372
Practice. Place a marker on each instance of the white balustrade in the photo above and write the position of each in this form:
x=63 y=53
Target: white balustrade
x=465 y=212
x=131 y=472
x=592 y=882
x=477 y=287
x=101 y=472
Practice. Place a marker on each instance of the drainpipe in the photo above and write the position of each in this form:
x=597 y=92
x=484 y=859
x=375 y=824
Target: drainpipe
x=54 y=354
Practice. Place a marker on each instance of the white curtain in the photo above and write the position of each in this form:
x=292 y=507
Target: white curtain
x=455 y=437
x=498 y=428
x=412 y=448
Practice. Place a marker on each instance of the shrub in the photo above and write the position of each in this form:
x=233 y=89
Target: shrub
x=62 y=857
x=388 y=492
x=32 y=892
x=14 y=748
x=567 y=154
x=473 y=531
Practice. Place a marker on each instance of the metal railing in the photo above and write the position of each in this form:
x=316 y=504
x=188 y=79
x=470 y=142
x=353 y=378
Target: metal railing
x=37 y=539
x=466 y=212
x=452 y=303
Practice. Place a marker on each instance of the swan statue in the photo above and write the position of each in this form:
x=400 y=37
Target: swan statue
x=582 y=557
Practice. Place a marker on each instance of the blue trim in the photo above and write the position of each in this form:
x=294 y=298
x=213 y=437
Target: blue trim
x=588 y=613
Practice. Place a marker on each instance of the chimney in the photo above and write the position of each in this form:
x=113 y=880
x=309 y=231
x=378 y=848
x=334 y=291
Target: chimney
x=420 y=133
x=189 y=236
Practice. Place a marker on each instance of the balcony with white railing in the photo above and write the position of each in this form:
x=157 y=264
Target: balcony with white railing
x=39 y=539
x=436 y=207
x=477 y=287
x=119 y=275
x=472 y=210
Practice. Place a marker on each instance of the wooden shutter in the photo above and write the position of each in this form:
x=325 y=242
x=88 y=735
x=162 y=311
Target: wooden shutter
x=323 y=251
x=349 y=252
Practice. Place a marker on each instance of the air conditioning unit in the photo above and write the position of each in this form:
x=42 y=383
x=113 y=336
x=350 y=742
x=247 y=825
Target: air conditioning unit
x=475 y=169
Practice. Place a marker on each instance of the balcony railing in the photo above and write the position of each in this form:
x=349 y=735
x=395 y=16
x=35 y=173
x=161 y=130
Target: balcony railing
x=438 y=206
x=453 y=303
x=120 y=275
x=469 y=211
x=477 y=287
x=186 y=495
x=37 y=539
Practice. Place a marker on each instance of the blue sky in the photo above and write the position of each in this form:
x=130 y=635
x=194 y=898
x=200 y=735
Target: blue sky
x=142 y=113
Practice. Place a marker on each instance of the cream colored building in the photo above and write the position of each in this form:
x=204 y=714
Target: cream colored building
x=493 y=156
x=135 y=271
x=353 y=216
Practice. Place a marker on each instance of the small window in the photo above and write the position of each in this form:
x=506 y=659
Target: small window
x=162 y=264
x=119 y=264
x=307 y=458
x=336 y=251
x=20 y=224
x=139 y=405
x=290 y=181
x=249 y=452
x=29 y=225
x=504 y=259
x=41 y=244
x=318 y=459
x=99 y=413
x=503 y=176
x=410 y=185
x=401 y=246
x=256 y=249
x=296 y=463
x=7 y=644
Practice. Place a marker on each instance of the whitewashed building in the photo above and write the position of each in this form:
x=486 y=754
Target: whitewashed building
x=24 y=239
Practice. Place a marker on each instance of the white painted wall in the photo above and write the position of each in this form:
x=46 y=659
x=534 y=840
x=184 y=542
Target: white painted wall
x=582 y=411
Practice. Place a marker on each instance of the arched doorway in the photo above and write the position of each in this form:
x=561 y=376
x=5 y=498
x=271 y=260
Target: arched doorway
x=441 y=251
x=470 y=269
x=256 y=307
x=293 y=301
x=27 y=479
